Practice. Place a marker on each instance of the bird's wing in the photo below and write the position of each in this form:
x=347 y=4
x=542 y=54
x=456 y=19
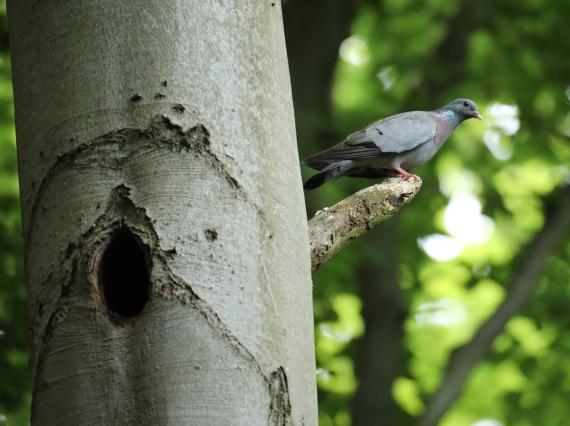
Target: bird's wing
x=341 y=151
x=392 y=135
x=395 y=134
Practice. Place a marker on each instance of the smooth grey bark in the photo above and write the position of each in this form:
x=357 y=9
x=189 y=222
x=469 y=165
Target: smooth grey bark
x=157 y=148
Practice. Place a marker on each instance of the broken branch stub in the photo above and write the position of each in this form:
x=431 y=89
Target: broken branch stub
x=334 y=227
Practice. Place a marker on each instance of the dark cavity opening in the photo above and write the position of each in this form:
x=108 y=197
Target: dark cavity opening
x=124 y=276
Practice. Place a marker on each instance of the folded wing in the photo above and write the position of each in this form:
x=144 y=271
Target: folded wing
x=392 y=135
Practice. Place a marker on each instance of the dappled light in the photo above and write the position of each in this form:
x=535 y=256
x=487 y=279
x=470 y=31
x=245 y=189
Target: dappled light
x=440 y=247
x=444 y=312
x=464 y=221
x=502 y=121
x=354 y=51
x=487 y=422
x=484 y=197
x=386 y=76
x=504 y=117
x=499 y=147
x=393 y=308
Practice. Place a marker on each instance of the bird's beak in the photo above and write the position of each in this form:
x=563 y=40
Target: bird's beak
x=478 y=116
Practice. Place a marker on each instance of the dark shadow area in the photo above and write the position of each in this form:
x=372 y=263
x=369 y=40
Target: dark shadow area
x=124 y=275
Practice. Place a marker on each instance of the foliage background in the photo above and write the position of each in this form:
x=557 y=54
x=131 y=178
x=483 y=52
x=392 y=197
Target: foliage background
x=390 y=308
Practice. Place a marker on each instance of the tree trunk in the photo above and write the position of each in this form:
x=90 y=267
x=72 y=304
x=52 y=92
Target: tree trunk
x=167 y=255
x=381 y=354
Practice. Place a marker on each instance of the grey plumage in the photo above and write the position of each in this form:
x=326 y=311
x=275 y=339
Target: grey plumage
x=390 y=146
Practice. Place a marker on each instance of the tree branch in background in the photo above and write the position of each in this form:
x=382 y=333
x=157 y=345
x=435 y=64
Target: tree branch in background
x=524 y=279
x=333 y=228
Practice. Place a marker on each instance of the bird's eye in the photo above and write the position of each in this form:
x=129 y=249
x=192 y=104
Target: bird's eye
x=465 y=104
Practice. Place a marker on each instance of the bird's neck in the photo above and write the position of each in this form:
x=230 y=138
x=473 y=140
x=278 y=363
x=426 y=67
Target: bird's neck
x=450 y=116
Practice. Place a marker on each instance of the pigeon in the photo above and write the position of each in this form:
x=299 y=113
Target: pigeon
x=391 y=146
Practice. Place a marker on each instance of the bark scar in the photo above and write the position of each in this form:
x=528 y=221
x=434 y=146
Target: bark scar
x=280 y=408
x=112 y=151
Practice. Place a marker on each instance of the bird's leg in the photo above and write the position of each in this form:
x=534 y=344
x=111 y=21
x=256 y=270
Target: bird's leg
x=406 y=175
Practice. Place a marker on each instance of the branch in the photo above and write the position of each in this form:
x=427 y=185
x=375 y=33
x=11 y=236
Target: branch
x=333 y=228
x=524 y=279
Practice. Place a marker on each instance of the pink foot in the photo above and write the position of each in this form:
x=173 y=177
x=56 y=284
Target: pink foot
x=406 y=175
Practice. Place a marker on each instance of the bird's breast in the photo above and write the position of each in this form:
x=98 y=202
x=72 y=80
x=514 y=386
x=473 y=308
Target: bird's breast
x=424 y=152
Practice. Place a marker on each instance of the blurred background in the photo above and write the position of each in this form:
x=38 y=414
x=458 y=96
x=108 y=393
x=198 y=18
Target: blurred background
x=394 y=308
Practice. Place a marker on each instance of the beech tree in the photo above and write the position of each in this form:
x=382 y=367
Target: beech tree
x=167 y=256
x=351 y=62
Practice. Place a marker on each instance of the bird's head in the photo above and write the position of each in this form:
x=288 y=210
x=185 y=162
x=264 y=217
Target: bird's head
x=464 y=109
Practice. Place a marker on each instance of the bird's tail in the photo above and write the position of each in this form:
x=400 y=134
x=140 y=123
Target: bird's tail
x=331 y=172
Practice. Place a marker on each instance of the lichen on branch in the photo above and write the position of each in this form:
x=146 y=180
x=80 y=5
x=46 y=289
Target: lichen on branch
x=334 y=227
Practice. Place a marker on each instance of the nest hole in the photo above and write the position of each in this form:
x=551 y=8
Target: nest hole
x=124 y=275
